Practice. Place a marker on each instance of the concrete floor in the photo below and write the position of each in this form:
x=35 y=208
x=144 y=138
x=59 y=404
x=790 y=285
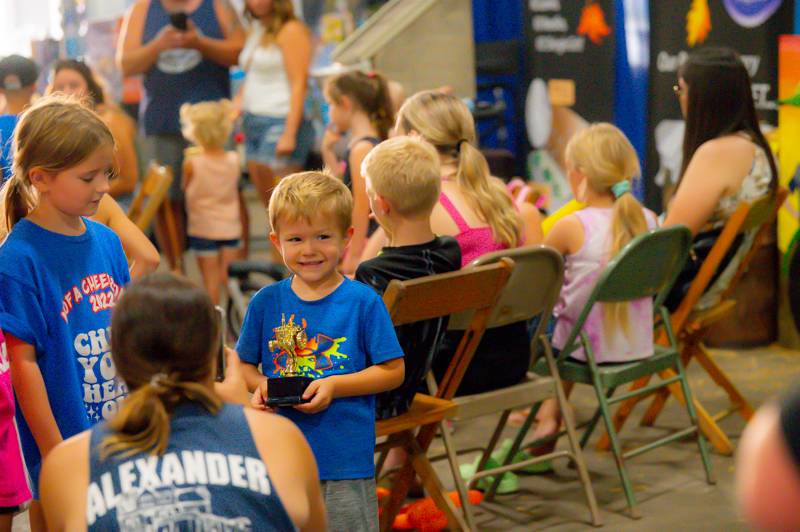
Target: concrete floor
x=669 y=482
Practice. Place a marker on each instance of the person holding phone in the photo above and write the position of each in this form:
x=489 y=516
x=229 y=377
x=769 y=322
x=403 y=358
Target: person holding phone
x=276 y=57
x=183 y=48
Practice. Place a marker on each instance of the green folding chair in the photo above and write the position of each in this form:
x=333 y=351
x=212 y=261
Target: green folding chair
x=646 y=267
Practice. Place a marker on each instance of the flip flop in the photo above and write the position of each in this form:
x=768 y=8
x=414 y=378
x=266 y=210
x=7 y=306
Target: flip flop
x=534 y=469
x=509 y=482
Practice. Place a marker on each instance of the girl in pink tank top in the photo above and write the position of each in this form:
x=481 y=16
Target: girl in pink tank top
x=474 y=241
x=502 y=357
x=211 y=182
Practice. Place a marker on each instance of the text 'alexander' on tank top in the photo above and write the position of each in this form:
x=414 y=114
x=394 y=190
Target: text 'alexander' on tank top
x=211 y=477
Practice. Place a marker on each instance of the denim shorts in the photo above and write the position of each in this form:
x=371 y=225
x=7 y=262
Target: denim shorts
x=204 y=246
x=261 y=135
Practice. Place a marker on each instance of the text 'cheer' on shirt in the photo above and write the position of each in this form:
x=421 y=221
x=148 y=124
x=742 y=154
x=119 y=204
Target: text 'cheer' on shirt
x=56 y=293
x=348 y=331
x=211 y=477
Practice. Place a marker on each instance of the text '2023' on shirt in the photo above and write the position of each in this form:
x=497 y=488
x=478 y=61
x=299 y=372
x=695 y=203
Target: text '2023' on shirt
x=56 y=294
x=348 y=330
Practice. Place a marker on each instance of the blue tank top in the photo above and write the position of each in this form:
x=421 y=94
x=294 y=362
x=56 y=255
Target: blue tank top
x=180 y=75
x=211 y=477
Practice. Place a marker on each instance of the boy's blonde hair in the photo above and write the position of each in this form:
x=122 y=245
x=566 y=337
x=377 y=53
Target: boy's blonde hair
x=606 y=157
x=446 y=122
x=305 y=195
x=405 y=171
x=207 y=124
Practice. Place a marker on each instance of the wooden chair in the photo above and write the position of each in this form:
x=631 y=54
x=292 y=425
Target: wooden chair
x=476 y=289
x=646 y=267
x=692 y=325
x=150 y=202
x=532 y=291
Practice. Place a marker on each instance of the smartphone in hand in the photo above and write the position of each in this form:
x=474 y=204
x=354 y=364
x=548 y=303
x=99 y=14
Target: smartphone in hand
x=178 y=20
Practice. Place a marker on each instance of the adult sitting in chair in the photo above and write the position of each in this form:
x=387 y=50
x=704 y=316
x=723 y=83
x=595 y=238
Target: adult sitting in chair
x=726 y=160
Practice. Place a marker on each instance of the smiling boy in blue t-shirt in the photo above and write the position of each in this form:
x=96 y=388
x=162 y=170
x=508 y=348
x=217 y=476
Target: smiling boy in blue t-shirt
x=351 y=350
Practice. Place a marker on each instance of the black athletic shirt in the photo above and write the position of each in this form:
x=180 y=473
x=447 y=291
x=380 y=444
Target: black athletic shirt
x=418 y=340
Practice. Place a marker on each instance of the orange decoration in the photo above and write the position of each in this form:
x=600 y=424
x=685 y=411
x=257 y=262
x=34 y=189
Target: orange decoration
x=698 y=22
x=593 y=23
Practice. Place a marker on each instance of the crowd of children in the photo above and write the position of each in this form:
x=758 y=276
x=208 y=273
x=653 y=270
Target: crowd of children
x=105 y=418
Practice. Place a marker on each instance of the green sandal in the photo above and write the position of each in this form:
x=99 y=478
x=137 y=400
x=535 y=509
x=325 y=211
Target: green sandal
x=509 y=482
x=534 y=469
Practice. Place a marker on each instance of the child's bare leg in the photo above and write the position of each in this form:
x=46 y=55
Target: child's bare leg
x=36 y=517
x=226 y=256
x=209 y=267
x=548 y=418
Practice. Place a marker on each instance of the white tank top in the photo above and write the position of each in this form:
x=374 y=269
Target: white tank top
x=266 y=86
x=581 y=271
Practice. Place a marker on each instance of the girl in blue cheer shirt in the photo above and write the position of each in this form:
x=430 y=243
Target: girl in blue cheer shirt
x=60 y=276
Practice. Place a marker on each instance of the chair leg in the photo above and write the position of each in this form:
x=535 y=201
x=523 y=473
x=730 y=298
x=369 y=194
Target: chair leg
x=433 y=486
x=587 y=433
x=688 y=352
x=719 y=376
x=577 y=452
x=515 y=446
x=701 y=440
x=623 y=412
x=617 y=450
x=461 y=488
x=706 y=421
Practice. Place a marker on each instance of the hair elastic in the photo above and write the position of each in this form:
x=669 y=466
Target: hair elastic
x=459 y=143
x=158 y=381
x=620 y=187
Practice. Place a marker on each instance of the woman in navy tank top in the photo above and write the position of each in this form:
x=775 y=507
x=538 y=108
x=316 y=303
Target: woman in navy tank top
x=176 y=456
x=183 y=59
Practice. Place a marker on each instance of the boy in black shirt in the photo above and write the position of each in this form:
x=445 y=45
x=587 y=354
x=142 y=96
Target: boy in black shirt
x=402 y=177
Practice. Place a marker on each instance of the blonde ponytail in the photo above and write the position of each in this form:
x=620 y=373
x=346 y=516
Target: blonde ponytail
x=17 y=199
x=609 y=162
x=446 y=122
x=164 y=362
x=487 y=196
x=142 y=424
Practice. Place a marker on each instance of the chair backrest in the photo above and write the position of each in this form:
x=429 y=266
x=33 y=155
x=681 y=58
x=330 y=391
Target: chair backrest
x=759 y=220
x=152 y=193
x=473 y=289
x=746 y=217
x=532 y=290
x=646 y=267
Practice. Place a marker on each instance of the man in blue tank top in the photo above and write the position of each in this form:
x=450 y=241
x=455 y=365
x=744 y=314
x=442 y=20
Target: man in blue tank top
x=183 y=48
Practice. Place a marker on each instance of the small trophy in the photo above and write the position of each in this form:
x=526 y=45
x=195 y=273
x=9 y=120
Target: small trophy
x=288 y=389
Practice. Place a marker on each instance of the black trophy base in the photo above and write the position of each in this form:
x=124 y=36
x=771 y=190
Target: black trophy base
x=287 y=391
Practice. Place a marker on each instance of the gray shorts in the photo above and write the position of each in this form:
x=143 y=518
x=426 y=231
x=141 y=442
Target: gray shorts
x=352 y=505
x=167 y=149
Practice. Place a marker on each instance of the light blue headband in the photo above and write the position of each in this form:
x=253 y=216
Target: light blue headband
x=620 y=187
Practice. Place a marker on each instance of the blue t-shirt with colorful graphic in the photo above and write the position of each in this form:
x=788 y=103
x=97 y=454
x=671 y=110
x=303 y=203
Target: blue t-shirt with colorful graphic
x=56 y=293
x=347 y=330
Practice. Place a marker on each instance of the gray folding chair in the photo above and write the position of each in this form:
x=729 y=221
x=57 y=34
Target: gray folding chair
x=531 y=291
